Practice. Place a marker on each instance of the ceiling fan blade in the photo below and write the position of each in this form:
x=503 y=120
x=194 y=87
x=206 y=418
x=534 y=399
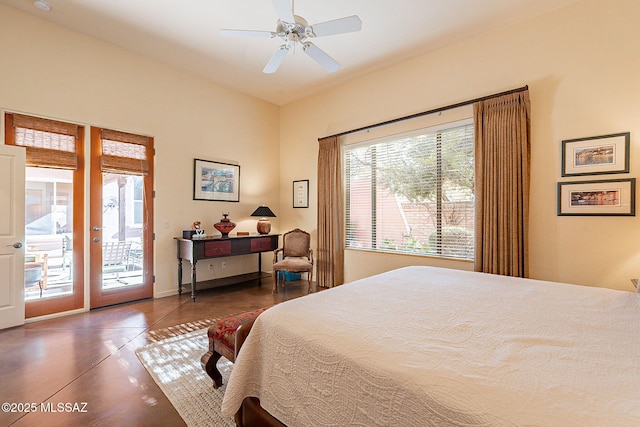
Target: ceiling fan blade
x=247 y=33
x=276 y=59
x=348 y=24
x=321 y=57
x=284 y=10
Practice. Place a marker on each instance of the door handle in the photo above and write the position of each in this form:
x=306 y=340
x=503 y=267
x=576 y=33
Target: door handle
x=96 y=228
x=96 y=239
x=16 y=245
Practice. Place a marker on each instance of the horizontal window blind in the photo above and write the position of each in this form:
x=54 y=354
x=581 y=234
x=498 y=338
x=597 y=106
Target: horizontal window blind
x=125 y=153
x=412 y=193
x=49 y=143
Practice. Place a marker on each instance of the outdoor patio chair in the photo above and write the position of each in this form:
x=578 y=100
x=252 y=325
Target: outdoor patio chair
x=115 y=257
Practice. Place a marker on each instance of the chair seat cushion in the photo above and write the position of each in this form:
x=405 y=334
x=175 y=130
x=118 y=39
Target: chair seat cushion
x=224 y=330
x=293 y=264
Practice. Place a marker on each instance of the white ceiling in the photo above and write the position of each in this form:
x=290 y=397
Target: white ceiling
x=184 y=33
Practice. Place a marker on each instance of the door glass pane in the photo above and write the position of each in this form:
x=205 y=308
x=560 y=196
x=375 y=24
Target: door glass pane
x=49 y=233
x=122 y=219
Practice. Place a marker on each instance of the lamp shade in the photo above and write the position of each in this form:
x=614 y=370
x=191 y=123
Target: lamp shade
x=263 y=211
x=264 y=226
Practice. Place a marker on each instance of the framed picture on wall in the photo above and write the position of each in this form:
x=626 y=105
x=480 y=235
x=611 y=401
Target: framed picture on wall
x=613 y=197
x=596 y=155
x=216 y=181
x=301 y=193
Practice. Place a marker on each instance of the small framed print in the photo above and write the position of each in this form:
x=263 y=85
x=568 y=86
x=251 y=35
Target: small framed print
x=613 y=197
x=216 y=181
x=596 y=155
x=301 y=193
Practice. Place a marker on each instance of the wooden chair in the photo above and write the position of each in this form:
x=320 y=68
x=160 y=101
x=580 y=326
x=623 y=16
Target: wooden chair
x=297 y=256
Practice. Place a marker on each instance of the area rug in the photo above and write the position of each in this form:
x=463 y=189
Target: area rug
x=172 y=331
x=174 y=364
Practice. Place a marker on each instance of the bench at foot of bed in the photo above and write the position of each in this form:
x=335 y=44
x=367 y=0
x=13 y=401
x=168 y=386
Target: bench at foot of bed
x=225 y=339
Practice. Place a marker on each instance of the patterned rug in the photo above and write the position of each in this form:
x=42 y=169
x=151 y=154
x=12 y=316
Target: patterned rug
x=184 y=328
x=174 y=364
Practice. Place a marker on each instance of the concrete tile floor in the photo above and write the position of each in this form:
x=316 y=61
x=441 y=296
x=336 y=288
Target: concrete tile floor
x=90 y=358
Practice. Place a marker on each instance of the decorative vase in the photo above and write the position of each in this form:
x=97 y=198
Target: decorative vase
x=225 y=225
x=264 y=226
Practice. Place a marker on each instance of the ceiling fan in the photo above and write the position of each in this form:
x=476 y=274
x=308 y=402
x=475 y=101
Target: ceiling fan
x=294 y=30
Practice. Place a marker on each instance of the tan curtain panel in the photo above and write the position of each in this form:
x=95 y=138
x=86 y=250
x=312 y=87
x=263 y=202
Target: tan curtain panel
x=502 y=144
x=49 y=143
x=330 y=256
x=125 y=153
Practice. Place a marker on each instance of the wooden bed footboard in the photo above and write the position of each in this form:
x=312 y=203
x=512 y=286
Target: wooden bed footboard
x=242 y=333
x=251 y=414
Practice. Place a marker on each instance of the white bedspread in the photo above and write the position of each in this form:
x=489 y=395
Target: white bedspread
x=425 y=346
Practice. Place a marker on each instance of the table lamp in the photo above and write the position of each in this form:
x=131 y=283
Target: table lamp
x=264 y=226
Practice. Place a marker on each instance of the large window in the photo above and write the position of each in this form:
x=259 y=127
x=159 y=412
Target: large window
x=413 y=193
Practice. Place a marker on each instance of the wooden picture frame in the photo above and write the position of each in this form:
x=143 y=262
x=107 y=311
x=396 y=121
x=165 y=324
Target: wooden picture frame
x=612 y=197
x=216 y=181
x=301 y=193
x=596 y=155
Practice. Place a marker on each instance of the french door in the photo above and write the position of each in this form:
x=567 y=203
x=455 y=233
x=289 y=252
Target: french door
x=53 y=212
x=121 y=217
x=120 y=236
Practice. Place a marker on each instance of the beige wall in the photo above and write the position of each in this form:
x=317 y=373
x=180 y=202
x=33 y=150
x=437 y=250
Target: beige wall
x=581 y=65
x=52 y=72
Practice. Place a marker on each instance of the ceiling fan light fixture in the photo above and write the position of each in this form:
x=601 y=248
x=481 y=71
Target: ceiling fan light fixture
x=294 y=30
x=42 y=5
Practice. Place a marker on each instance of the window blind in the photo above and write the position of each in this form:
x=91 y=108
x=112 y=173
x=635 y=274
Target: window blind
x=125 y=153
x=412 y=193
x=49 y=143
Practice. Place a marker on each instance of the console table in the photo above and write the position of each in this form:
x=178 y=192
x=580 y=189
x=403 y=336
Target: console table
x=194 y=250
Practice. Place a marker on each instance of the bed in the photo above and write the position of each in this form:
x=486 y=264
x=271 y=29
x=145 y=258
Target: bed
x=424 y=346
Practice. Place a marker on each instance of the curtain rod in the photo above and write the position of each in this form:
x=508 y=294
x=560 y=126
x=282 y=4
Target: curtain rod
x=424 y=113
